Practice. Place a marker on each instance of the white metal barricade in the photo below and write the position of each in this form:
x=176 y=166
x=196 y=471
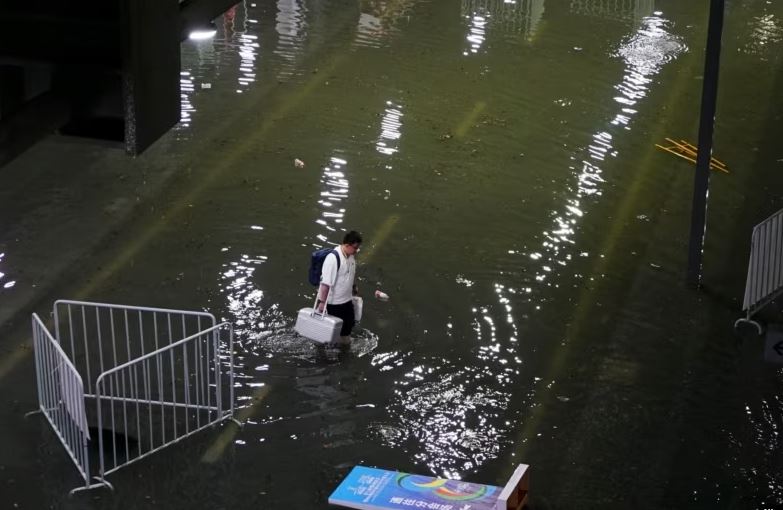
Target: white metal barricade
x=118 y=383
x=765 y=268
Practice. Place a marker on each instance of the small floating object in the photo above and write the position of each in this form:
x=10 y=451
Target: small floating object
x=688 y=152
x=298 y=163
x=381 y=295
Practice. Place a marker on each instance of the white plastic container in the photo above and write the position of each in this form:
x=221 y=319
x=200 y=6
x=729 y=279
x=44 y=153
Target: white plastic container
x=358 y=305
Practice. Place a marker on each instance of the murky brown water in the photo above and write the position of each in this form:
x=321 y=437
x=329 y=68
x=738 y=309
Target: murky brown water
x=499 y=158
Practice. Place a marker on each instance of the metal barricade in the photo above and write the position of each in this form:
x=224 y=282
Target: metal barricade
x=61 y=396
x=153 y=377
x=765 y=268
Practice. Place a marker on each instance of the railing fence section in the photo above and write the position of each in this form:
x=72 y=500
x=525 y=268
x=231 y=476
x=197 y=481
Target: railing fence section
x=764 y=282
x=152 y=377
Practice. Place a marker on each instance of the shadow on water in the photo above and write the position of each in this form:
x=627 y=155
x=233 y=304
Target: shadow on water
x=122 y=446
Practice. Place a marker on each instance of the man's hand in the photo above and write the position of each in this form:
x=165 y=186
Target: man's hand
x=320 y=306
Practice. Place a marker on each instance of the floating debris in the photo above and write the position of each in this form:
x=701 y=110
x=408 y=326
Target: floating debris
x=688 y=152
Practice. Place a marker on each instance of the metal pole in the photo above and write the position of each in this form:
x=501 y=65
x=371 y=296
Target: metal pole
x=701 y=180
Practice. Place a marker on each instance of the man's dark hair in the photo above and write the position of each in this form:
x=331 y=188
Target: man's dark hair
x=352 y=237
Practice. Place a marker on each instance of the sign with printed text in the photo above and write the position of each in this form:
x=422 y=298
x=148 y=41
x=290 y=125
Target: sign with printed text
x=378 y=489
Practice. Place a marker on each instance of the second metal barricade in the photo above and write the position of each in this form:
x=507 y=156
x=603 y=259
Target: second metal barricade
x=128 y=381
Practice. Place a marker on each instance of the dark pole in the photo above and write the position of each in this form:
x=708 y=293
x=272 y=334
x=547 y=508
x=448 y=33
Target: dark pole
x=701 y=181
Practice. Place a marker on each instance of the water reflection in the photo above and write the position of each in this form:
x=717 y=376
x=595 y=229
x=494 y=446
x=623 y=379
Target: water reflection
x=244 y=298
x=623 y=10
x=644 y=54
x=391 y=124
x=235 y=46
x=765 y=32
x=186 y=89
x=369 y=31
x=291 y=28
x=759 y=459
x=198 y=68
x=378 y=19
x=508 y=17
x=451 y=414
x=334 y=191
x=430 y=391
x=477 y=22
x=5 y=283
x=244 y=24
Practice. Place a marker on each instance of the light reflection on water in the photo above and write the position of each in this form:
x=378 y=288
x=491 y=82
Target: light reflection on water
x=234 y=50
x=5 y=283
x=186 y=89
x=247 y=52
x=504 y=17
x=765 y=31
x=244 y=40
x=759 y=460
x=291 y=26
x=244 y=300
x=477 y=23
x=450 y=413
x=644 y=54
x=334 y=193
x=369 y=31
x=378 y=20
x=443 y=408
x=391 y=126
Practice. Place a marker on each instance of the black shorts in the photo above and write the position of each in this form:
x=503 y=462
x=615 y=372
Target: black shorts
x=345 y=312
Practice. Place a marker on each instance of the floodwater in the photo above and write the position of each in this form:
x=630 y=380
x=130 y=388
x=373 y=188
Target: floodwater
x=499 y=159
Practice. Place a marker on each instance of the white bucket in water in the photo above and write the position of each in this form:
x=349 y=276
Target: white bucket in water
x=358 y=304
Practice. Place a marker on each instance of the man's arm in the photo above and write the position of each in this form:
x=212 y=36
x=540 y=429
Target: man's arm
x=323 y=292
x=328 y=277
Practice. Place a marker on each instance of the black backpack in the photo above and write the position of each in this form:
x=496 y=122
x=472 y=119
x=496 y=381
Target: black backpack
x=317 y=264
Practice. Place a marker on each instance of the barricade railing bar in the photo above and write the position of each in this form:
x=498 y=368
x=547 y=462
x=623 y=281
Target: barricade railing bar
x=61 y=396
x=191 y=403
x=154 y=376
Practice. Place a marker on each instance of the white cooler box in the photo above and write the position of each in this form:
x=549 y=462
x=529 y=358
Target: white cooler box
x=317 y=327
x=358 y=304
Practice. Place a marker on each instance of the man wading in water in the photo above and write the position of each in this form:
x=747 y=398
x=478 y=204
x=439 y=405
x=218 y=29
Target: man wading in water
x=341 y=282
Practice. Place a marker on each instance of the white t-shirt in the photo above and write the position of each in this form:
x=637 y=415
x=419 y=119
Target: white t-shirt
x=340 y=281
